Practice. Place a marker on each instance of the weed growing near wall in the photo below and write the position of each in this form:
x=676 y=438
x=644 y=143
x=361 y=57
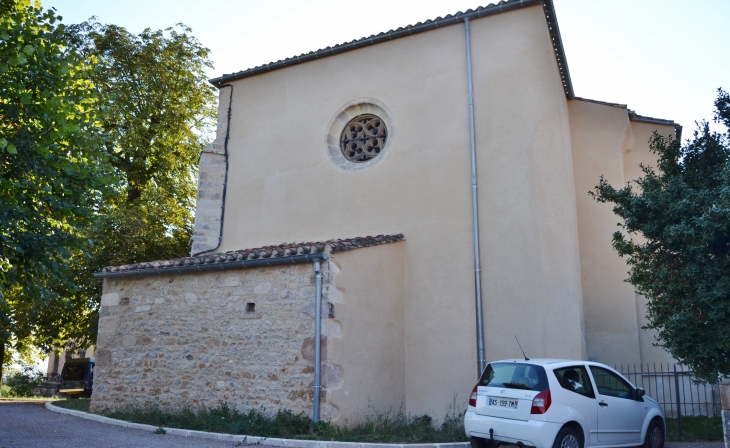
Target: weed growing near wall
x=375 y=427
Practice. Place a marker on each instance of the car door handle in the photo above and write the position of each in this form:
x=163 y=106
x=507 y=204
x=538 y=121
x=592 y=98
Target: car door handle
x=602 y=403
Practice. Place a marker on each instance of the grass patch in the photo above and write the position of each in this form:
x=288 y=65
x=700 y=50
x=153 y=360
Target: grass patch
x=376 y=427
x=695 y=428
x=77 y=404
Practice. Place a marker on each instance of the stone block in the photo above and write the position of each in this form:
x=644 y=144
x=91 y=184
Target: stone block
x=178 y=432
x=274 y=442
x=308 y=348
x=110 y=299
x=381 y=445
x=129 y=340
x=232 y=438
x=141 y=426
x=103 y=358
x=108 y=325
x=339 y=445
x=232 y=281
x=202 y=434
x=262 y=288
x=331 y=375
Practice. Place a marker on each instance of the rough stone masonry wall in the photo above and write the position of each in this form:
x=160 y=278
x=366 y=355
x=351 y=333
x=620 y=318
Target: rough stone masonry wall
x=188 y=340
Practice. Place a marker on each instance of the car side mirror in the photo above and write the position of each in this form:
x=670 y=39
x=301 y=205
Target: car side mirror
x=640 y=392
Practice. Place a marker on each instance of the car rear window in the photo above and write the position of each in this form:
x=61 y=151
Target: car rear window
x=514 y=375
x=75 y=372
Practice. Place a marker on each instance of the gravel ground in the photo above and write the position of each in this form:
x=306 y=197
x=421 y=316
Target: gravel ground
x=31 y=425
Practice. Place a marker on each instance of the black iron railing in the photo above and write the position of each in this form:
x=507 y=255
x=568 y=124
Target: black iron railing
x=692 y=410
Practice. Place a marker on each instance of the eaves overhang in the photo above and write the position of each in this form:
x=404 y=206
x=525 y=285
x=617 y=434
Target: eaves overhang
x=440 y=22
x=286 y=253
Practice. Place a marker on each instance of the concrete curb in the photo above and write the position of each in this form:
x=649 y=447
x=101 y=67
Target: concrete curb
x=295 y=443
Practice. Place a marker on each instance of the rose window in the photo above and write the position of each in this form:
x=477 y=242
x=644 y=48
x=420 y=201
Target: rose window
x=363 y=138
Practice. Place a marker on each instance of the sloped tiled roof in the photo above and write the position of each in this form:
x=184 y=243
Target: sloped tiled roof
x=264 y=252
x=439 y=22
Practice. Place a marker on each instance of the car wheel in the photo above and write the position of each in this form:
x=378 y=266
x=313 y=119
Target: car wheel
x=654 y=435
x=478 y=442
x=568 y=438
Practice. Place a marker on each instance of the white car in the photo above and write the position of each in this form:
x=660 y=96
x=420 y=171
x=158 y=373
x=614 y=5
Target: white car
x=560 y=404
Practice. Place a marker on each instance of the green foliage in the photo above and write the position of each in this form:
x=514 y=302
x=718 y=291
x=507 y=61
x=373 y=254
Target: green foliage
x=157 y=111
x=52 y=174
x=376 y=427
x=681 y=258
x=100 y=131
x=20 y=383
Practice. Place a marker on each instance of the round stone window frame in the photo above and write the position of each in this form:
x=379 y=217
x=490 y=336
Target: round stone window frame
x=342 y=117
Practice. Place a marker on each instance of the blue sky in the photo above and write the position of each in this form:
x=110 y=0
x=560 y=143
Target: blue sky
x=663 y=58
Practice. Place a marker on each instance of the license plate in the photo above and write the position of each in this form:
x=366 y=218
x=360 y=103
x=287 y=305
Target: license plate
x=503 y=402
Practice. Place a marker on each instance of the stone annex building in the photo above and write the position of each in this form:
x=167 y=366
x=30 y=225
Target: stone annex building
x=361 y=155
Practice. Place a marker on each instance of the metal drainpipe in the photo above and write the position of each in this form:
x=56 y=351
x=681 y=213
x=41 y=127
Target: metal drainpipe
x=481 y=362
x=317 y=340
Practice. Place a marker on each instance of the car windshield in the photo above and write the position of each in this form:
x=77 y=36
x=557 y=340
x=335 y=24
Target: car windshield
x=514 y=375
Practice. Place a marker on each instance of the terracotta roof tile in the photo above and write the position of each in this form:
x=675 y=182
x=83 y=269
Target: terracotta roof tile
x=280 y=250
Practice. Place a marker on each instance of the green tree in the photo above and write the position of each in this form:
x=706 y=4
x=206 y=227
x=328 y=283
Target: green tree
x=51 y=174
x=157 y=111
x=680 y=261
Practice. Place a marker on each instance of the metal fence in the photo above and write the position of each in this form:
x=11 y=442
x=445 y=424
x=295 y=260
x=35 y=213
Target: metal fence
x=693 y=410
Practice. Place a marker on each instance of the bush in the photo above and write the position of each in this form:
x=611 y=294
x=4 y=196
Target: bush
x=76 y=404
x=20 y=383
x=375 y=427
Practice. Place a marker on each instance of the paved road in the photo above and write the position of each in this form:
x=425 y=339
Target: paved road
x=31 y=425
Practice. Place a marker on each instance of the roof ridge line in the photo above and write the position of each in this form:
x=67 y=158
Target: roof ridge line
x=439 y=22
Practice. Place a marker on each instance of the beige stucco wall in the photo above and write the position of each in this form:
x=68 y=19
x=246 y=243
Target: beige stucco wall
x=638 y=154
x=282 y=187
x=606 y=143
x=367 y=344
x=532 y=285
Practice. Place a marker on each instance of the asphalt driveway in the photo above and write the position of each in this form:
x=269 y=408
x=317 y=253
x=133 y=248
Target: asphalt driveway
x=31 y=425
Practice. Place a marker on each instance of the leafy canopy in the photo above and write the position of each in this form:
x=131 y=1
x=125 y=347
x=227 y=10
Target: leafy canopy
x=677 y=244
x=52 y=173
x=156 y=113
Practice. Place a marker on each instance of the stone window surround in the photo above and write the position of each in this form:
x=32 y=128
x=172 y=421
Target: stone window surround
x=342 y=117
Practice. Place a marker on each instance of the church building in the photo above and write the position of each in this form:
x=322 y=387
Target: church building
x=378 y=219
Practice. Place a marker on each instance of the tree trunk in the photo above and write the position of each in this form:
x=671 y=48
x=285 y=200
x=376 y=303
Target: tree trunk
x=2 y=359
